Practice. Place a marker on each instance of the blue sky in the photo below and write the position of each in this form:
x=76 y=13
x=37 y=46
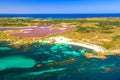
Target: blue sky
x=59 y=6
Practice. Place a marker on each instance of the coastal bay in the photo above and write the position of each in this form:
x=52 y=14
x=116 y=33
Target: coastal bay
x=47 y=48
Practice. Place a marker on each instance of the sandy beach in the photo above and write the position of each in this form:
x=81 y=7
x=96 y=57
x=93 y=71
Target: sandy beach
x=64 y=40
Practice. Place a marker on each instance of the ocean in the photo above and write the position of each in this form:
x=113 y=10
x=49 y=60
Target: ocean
x=59 y=15
x=42 y=61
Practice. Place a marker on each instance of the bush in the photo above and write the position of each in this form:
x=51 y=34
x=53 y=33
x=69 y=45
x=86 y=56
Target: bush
x=117 y=37
x=85 y=29
x=107 y=31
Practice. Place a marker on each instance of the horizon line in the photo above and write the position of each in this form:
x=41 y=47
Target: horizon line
x=59 y=13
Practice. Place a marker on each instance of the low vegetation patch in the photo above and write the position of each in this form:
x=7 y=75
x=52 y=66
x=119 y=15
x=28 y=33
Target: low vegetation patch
x=116 y=37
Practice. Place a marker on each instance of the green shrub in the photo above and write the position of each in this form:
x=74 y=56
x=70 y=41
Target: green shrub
x=106 y=31
x=117 y=37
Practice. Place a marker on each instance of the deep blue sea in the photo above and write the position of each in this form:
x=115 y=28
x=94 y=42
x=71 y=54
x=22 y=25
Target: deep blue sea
x=59 y=15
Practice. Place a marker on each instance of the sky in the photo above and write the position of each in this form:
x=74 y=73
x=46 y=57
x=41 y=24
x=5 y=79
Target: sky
x=58 y=6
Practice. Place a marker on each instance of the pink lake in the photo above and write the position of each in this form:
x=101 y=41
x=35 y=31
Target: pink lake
x=40 y=31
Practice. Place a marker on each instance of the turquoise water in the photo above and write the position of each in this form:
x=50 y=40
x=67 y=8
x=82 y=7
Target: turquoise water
x=5 y=48
x=45 y=71
x=42 y=61
x=16 y=62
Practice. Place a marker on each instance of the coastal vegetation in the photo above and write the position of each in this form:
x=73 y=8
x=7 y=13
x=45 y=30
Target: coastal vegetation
x=99 y=31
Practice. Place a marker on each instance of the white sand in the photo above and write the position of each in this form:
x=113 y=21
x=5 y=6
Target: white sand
x=97 y=48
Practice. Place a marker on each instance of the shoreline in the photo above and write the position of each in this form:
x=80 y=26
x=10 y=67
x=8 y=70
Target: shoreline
x=100 y=52
x=96 y=48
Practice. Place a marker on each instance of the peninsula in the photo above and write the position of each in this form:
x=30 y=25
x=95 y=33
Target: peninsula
x=99 y=34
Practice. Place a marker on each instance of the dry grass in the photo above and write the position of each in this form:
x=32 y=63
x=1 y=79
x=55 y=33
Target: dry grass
x=96 y=37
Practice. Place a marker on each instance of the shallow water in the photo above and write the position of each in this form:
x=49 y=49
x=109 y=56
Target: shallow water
x=55 y=62
x=16 y=62
x=5 y=48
